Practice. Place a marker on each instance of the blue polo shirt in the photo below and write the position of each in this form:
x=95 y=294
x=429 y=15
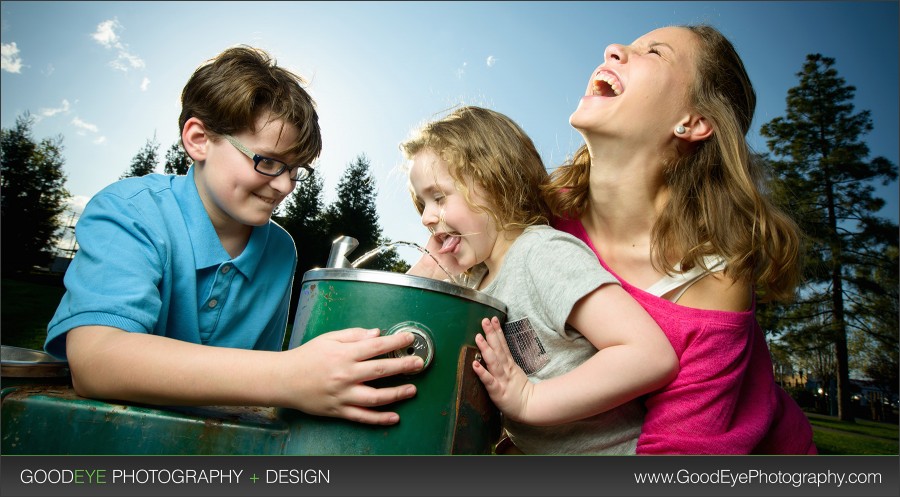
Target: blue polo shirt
x=150 y=261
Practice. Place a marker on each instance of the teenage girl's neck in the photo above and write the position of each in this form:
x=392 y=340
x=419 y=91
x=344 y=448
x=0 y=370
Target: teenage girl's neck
x=626 y=194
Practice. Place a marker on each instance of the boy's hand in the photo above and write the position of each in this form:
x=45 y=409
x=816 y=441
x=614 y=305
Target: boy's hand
x=504 y=380
x=329 y=374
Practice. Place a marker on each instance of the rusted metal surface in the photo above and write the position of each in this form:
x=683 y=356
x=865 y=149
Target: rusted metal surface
x=477 y=419
x=53 y=419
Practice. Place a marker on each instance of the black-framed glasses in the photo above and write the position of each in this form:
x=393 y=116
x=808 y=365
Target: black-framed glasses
x=269 y=166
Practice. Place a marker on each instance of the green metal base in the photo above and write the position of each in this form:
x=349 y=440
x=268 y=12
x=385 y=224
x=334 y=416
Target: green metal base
x=52 y=419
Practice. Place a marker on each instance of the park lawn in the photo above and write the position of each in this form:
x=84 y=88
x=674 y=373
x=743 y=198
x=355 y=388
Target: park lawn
x=845 y=443
x=27 y=307
x=833 y=436
x=861 y=426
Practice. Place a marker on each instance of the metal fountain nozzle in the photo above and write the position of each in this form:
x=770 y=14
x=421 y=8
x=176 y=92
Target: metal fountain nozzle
x=340 y=247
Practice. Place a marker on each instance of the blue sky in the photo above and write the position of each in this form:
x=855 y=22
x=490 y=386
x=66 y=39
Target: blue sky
x=108 y=75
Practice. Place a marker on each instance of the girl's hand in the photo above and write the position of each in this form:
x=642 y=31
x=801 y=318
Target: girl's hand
x=504 y=380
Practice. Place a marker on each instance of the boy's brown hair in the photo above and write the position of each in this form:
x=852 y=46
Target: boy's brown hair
x=230 y=92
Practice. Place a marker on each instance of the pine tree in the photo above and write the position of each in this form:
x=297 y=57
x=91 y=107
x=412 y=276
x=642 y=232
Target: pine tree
x=32 y=196
x=304 y=219
x=828 y=185
x=177 y=160
x=145 y=161
x=354 y=214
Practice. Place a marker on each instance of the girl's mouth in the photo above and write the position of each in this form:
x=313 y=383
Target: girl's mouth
x=449 y=242
x=606 y=84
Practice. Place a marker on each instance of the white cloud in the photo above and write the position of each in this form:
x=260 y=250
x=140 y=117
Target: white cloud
x=50 y=70
x=126 y=61
x=84 y=126
x=145 y=84
x=491 y=60
x=106 y=35
x=50 y=112
x=9 y=58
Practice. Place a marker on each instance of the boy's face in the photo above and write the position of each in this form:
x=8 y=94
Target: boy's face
x=235 y=195
x=464 y=234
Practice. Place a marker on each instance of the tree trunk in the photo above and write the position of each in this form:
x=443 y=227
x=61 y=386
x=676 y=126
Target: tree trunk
x=839 y=327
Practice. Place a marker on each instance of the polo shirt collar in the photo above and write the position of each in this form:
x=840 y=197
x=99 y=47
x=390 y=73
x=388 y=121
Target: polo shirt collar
x=208 y=249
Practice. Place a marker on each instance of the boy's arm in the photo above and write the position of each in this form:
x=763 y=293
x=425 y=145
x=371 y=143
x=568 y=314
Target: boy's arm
x=634 y=357
x=324 y=376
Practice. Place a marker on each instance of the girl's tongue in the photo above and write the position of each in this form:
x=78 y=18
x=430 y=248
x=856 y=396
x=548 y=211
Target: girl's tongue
x=449 y=245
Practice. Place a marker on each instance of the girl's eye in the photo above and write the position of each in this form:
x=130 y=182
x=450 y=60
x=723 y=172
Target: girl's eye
x=653 y=51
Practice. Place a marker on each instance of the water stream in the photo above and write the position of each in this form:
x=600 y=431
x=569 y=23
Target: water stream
x=384 y=248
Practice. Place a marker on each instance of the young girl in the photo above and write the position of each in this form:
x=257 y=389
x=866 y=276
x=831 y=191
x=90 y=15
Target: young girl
x=667 y=195
x=584 y=350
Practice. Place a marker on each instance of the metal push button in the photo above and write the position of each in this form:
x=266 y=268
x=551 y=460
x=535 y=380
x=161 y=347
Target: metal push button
x=422 y=345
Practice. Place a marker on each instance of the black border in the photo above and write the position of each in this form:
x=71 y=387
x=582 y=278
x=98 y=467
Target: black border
x=494 y=476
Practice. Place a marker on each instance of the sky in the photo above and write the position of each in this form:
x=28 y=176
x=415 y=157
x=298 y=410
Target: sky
x=108 y=75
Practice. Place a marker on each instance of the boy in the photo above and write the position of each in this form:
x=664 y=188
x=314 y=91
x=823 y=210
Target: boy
x=179 y=293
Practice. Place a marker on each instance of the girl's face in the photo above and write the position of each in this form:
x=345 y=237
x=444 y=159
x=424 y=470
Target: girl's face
x=464 y=234
x=233 y=193
x=639 y=88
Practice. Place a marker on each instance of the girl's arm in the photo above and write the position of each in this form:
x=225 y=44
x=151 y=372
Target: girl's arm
x=633 y=358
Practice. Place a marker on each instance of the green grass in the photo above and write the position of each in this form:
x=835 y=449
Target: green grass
x=861 y=426
x=833 y=436
x=26 y=309
x=834 y=443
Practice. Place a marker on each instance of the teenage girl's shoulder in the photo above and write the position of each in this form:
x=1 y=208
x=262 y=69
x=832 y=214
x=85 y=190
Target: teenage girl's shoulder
x=718 y=292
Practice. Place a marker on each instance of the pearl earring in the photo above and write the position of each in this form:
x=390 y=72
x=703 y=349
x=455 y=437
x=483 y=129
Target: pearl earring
x=680 y=130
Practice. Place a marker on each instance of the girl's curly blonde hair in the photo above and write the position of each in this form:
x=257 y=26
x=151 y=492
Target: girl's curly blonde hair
x=488 y=149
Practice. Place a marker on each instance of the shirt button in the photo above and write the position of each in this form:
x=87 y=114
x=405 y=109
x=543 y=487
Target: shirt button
x=213 y=303
x=225 y=269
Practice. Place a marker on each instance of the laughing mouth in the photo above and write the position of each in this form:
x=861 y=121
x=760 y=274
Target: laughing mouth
x=606 y=84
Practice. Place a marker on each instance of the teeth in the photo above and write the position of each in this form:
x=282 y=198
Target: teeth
x=610 y=80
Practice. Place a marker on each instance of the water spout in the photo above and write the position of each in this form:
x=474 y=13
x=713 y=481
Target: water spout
x=340 y=247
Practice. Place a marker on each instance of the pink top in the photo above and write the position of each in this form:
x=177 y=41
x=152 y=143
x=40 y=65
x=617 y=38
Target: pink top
x=724 y=399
